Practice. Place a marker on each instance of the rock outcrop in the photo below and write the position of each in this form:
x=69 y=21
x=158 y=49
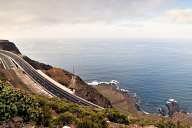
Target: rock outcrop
x=172 y=106
x=9 y=46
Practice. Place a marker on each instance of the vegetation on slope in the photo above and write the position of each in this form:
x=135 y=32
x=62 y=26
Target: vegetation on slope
x=42 y=111
x=53 y=112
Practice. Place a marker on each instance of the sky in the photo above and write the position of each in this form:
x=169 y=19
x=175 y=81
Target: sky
x=95 y=19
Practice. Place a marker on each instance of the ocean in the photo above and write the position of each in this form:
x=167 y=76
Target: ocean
x=155 y=70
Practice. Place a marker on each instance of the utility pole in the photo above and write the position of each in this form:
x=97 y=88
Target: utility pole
x=73 y=80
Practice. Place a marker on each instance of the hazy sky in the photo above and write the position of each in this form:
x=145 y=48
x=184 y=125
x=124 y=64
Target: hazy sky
x=95 y=19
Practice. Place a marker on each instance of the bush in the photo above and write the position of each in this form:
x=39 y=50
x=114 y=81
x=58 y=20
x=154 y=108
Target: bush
x=66 y=118
x=16 y=103
x=45 y=111
x=115 y=116
x=87 y=124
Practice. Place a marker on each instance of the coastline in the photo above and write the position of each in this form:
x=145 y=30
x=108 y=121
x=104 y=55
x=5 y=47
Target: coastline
x=112 y=91
x=124 y=97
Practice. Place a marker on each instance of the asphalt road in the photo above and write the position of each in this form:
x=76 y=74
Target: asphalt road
x=46 y=84
x=6 y=61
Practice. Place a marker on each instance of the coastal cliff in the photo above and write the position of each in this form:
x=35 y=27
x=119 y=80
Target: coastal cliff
x=60 y=75
x=54 y=110
x=64 y=77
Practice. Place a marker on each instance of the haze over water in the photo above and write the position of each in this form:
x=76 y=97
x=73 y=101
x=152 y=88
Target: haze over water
x=154 y=69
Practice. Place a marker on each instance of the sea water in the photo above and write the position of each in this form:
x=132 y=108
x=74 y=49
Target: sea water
x=154 y=69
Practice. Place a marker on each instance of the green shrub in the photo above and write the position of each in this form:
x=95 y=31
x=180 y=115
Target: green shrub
x=66 y=118
x=15 y=103
x=87 y=124
x=115 y=116
x=39 y=110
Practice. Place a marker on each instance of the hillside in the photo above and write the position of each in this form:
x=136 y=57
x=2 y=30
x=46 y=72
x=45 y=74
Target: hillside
x=64 y=77
x=21 y=103
x=20 y=109
x=60 y=75
x=122 y=102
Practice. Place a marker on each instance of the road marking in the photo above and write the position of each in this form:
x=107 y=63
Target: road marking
x=2 y=63
x=7 y=62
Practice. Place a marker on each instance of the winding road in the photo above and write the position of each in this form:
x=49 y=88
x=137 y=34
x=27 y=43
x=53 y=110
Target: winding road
x=46 y=84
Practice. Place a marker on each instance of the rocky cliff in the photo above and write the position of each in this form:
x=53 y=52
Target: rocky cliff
x=9 y=46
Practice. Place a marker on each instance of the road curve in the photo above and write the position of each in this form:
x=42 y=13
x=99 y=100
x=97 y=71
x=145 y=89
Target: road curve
x=6 y=62
x=49 y=86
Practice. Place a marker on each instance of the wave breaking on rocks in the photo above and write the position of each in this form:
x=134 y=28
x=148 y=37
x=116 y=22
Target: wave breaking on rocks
x=116 y=85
